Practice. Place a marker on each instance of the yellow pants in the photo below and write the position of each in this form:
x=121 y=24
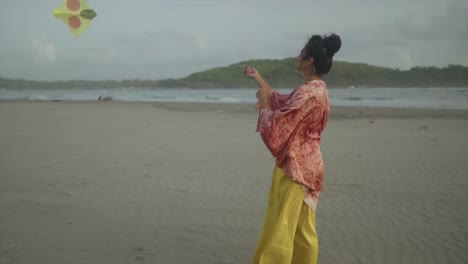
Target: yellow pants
x=288 y=234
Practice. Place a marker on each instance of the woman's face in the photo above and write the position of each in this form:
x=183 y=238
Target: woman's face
x=301 y=63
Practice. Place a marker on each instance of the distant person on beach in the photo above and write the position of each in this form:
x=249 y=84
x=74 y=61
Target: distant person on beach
x=291 y=126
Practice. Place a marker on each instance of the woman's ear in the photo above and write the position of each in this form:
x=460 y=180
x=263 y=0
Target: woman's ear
x=310 y=61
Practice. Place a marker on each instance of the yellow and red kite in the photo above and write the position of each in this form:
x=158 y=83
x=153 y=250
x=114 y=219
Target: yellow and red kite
x=76 y=14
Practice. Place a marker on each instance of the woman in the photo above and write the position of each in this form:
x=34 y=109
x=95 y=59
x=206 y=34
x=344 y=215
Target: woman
x=291 y=127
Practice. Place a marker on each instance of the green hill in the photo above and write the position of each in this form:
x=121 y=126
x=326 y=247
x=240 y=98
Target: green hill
x=280 y=74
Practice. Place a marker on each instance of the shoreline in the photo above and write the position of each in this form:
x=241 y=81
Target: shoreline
x=337 y=112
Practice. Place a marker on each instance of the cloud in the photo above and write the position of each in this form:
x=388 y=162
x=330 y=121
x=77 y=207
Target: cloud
x=165 y=53
x=439 y=38
x=45 y=50
x=450 y=23
x=180 y=40
x=434 y=38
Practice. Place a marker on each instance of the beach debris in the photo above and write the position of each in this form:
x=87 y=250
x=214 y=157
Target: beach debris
x=424 y=128
x=372 y=121
x=77 y=15
x=8 y=247
x=105 y=98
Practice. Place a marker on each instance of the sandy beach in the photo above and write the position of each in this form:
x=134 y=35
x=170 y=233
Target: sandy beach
x=116 y=182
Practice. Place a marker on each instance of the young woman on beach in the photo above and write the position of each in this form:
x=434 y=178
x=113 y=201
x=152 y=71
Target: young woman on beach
x=291 y=126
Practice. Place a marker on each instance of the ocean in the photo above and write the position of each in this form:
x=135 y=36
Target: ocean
x=433 y=98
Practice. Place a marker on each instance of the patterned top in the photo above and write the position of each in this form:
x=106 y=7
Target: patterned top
x=292 y=129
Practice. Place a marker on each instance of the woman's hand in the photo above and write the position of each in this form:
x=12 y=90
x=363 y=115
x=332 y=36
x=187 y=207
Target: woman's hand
x=264 y=90
x=251 y=72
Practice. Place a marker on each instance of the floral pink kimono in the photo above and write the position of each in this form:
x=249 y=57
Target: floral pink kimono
x=292 y=129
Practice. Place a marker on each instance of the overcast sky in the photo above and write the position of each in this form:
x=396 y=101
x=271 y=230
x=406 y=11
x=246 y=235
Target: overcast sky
x=155 y=39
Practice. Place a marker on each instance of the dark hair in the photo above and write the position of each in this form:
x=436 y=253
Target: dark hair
x=322 y=49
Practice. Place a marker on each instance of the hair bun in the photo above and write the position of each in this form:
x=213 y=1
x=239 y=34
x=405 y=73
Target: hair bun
x=332 y=44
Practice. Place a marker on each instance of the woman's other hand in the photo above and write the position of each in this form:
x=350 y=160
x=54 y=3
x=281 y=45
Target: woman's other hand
x=258 y=106
x=262 y=94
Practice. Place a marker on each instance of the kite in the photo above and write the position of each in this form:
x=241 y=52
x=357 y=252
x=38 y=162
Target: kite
x=77 y=14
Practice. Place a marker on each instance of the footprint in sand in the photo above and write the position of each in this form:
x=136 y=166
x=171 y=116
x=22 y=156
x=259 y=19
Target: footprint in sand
x=141 y=255
x=424 y=128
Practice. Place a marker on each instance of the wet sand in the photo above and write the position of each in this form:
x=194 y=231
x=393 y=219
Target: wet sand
x=114 y=182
